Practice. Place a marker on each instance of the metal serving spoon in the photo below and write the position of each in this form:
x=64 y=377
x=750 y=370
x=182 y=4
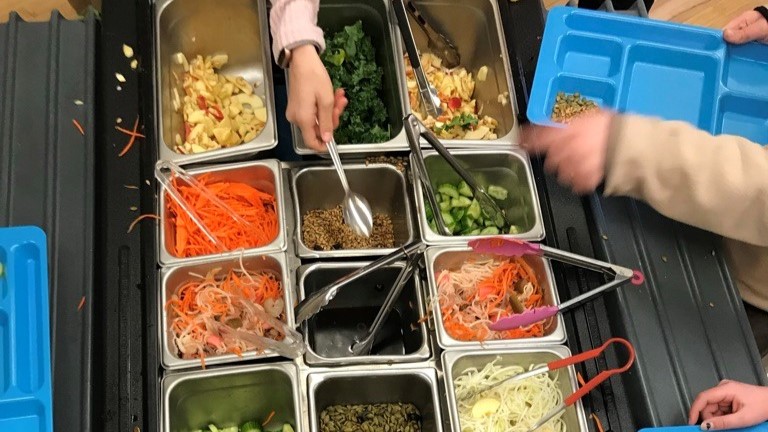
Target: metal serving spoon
x=355 y=208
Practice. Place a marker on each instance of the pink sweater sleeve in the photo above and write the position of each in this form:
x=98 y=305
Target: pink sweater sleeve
x=294 y=22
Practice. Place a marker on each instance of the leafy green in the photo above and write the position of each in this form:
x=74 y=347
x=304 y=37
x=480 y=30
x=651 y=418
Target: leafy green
x=463 y=120
x=351 y=62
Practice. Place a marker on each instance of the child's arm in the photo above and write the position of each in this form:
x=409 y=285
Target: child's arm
x=294 y=23
x=716 y=183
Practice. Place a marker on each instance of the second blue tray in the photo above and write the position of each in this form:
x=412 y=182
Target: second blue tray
x=644 y=66
x=25 y=350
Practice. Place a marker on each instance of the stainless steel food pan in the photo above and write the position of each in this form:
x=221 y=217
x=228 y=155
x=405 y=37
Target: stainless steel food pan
x=205 y=27
x=230 y=397
x=173 y=277
x=376 y=385
x=451 y=258
x=382 y=185
x=378 y=23
x=403 y=338
x=456 y=362
x=263 y=175
x=510 y=169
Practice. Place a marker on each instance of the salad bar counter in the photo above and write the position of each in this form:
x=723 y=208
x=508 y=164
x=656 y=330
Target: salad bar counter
x=227 y=294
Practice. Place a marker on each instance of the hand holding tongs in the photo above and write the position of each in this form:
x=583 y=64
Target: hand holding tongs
x=318 y=300
x=166 y=171
x=559 y=364
x=414 y=129
x=513 y=247
x=363 y=346
x=428 y=93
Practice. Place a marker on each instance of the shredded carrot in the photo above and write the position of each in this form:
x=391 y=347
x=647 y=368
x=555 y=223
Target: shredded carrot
x=478 y=293
x=134 y=134
x=130 y=132
x=202 y=309
x=269 y=418
x=202 y=361
x=81 y=304
x=598 y=423
x=580 y=379
x=257 y=208
x=78 y=126
x=140 y=218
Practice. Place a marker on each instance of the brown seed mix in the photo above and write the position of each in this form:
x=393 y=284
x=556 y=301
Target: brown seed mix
x=400 y=163
x=325 y=230
x=393 y=417
x=569 y=106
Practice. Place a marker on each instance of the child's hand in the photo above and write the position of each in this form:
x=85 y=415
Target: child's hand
x=576 y=153
x=311 y=98
x=747 y=27
x=730 y=405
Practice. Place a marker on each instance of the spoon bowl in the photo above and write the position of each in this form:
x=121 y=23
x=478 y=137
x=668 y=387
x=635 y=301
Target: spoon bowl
x=354 y=208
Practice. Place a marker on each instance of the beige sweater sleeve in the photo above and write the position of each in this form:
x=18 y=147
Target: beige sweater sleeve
x=719 y=184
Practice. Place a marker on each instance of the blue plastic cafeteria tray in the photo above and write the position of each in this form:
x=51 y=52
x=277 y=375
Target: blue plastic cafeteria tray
x=644 y=66
x=25 y=353
x=763 y=427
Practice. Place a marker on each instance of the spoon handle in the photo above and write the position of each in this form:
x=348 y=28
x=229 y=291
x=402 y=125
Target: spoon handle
x=334 y=152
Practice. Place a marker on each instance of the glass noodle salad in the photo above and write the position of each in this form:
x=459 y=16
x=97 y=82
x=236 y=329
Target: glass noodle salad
x=510 y=407
x=480 y=292
x=462 y=116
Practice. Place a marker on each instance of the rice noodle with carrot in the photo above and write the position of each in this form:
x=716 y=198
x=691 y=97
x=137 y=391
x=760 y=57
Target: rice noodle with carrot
x=200 y=307
x=480 y=292
x=256 y=207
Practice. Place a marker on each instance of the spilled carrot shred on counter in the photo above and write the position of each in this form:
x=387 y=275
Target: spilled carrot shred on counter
x=132 y=133
x=256 y=207
x=81 y=304
x=141 y=218
x=598 y=423
x=78 y=126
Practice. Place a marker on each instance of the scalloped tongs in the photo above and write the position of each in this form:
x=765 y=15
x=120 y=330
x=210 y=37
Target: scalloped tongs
x=414 y=129
x=512 y=247
x=166 y=171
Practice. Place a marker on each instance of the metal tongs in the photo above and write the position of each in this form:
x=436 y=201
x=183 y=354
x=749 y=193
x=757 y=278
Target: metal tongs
x=436 y=41
x=512 y=247
x=428 y=93
x=364 y=345
x=415 y=129
x=559 y=364
x=313 y=304
x=166 y=171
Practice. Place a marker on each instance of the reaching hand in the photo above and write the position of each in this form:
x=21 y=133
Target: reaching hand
x=747 y=27
x=576 y=153
x=730 y=405
x=311 y=99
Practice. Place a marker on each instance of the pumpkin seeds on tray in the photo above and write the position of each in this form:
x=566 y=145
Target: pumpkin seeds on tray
x=400 y=417
x=568 y=106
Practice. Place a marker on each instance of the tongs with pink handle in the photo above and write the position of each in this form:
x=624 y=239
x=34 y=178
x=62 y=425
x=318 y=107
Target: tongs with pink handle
x=512 y=247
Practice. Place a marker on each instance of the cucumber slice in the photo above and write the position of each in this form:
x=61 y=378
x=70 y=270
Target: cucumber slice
x=474 y=210
x=449 y=190
x=461 y=202
x=445 y=205
x=287 y=428
x=492 y=230
x=514 y=229
x=497 y=192
x=250 y=426
x=458 y=213
x=428 y=211
x=447 y=218
x=475 y=232
x=465 y=190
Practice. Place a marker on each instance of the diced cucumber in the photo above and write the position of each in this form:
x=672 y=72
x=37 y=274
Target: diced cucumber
x=445 y=198
x=458 y=213
x=213 y=428
x=497 y=192
x=449 y=190
x=447 y=218
x=250 y=426
x=474 y=210
x=433 y=226
x=475 y=232
x=461 y=202
x=445 y=205
x=499 y=220
x=492 y=230
x=514 y=229
x=465 y=190
x=287 y=428
x=488 y=223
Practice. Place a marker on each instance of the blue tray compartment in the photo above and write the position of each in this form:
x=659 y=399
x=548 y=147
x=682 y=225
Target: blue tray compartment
x=643 y=66
x=25 y=359
x=763 y=427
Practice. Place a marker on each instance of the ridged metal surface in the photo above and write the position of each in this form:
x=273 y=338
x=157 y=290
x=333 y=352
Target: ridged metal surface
x=47 y=179
x=686 y=321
